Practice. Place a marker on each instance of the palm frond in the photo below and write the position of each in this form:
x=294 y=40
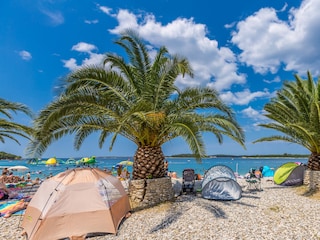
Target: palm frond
x=296 y=113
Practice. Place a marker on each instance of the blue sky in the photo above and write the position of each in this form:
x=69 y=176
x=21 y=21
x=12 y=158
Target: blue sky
x=244 y=50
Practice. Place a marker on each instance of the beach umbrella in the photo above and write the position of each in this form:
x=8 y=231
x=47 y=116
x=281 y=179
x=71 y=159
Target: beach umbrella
x=127 y=163
x=18 y=168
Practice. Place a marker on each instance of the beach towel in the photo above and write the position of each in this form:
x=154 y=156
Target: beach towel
x=7 y=206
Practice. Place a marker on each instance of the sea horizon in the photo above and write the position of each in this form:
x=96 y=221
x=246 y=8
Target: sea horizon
x=239 y=165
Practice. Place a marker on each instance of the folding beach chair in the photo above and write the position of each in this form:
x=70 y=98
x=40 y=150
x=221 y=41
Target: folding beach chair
x=188 y=180
x=254 y=182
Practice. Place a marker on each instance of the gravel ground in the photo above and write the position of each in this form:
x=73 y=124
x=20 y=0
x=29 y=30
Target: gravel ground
x=274 y=213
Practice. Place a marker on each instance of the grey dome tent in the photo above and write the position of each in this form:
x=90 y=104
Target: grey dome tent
x=220 y=183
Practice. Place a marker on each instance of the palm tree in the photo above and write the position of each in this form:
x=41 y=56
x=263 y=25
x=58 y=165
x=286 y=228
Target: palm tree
x=8 y=128
x=295 y=112
x=139 y=101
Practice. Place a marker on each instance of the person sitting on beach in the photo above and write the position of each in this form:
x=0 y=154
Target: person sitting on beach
x=166 y=167
x=173 y=175
x=257 y=174
x=10 y=177
x=119 y=170
x=21 y=205
x=5 y=171
x=36 y=181
x=199 y=177
x=125 y=174
x=5 y=193
x=28 y=177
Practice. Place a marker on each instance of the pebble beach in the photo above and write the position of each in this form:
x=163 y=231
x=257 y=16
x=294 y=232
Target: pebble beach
x=275 y=212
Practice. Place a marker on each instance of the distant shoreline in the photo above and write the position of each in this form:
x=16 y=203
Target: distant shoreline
x=191 y=156
x=244 y=156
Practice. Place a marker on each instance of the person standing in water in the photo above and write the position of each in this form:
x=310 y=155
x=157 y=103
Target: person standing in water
x=166 y=167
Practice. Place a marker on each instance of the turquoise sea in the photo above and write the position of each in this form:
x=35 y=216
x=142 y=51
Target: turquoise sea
x=240 y=165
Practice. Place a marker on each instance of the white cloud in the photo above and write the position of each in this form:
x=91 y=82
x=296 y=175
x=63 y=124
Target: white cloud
x=95 y=21
x=284 y=7
x=244 y=97
x=213 y=66
x=256 y=117
x=106 y=10
x=92 y=59
x=267 y=42
x=55 y=17
x=275 y=80
x=126 y=20
x=25 y=55
x=84 y=47
x=253 y=114
x=71 y=64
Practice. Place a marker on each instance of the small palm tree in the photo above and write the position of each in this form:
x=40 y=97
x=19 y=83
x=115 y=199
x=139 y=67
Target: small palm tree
x=295 y=112
x=8 y=128
x=139 y=101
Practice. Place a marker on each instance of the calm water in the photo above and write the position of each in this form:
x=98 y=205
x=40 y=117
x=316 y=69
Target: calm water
x=240 y=165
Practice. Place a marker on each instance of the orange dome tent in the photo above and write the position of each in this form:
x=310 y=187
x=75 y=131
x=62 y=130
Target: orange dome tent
x=76 y=203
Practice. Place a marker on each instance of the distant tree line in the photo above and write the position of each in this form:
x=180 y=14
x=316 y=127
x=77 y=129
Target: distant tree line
x=4 y=155
x=285 y=155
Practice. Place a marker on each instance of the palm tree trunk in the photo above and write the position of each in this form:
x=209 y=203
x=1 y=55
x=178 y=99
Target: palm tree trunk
x=148 y=163
x=314 y=162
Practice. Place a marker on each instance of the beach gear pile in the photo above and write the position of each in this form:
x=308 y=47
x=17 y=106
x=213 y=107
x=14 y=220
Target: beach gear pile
x=76 y=203
x=220 y=183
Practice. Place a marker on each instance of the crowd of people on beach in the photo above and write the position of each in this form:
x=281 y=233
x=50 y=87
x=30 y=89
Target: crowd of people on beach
x=8 y=177
x=8 y=194
x=10 y=186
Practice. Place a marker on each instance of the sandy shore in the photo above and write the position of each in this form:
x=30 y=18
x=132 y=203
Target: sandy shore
x=274 y=213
